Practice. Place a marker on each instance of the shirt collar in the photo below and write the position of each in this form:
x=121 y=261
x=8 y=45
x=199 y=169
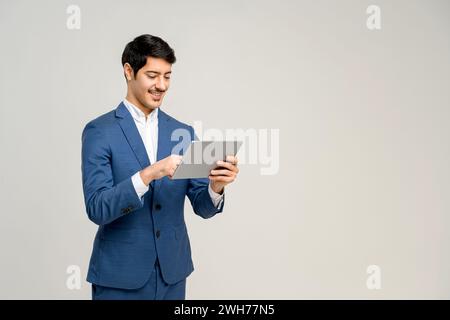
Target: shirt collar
x=137 y=113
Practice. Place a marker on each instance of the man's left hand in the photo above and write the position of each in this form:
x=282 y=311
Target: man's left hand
x=224 y=174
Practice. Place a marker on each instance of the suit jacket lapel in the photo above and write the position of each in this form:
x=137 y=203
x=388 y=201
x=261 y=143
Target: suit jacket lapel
x=164 y=143
x=132 y=135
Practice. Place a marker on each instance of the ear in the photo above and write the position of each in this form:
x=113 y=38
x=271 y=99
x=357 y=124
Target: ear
x=128 y=71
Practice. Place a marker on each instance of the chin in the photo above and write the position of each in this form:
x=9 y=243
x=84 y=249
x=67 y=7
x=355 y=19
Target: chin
x=153 y=104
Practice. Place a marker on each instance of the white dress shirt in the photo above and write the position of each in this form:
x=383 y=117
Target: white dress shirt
x=148 y=130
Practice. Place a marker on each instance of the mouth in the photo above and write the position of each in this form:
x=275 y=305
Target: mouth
x=156 y=95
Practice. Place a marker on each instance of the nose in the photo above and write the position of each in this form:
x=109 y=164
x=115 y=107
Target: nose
x=161 y=84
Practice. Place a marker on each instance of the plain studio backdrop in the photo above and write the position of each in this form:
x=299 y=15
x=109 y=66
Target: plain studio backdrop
x=363 y=119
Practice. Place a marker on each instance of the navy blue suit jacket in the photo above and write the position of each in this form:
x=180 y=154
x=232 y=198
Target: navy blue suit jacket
x=134 y=232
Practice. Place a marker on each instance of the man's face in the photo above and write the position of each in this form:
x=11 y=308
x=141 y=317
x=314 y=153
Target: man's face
x=149 y=86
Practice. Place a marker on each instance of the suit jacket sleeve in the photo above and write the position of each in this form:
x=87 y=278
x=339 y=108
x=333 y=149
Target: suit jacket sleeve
x=201 y=200
x=104 y=200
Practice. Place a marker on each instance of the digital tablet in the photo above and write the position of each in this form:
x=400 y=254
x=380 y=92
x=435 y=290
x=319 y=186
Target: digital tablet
x=201 y=157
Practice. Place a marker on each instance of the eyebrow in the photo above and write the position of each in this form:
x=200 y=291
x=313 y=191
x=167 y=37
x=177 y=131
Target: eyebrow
x=151 y=71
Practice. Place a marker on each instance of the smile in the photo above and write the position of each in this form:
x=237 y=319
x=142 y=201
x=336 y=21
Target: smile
x=156 y=94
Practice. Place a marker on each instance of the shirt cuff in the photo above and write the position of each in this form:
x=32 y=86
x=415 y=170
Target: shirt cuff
x=215 y=197
x=139 y=185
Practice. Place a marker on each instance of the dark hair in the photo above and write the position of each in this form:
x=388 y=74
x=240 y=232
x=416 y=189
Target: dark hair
x=146 y=45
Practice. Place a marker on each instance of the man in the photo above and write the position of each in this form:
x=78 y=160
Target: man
x=141 y=249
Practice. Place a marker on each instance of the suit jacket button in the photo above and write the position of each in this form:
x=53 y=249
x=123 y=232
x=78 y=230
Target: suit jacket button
x=157 y=234
x=158 y=206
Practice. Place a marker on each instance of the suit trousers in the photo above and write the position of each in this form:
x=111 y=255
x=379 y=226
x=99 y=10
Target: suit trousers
x=154 y=289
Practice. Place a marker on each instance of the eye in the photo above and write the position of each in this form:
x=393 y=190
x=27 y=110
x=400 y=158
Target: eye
x=167 y=78
x=151 y=77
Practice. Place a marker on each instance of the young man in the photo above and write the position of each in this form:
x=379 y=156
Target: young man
x=141 y=249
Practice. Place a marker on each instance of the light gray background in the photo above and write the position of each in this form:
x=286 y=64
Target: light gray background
x=364 y=141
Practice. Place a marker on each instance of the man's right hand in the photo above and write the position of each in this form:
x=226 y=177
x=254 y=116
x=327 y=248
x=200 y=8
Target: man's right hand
x=160 y=169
